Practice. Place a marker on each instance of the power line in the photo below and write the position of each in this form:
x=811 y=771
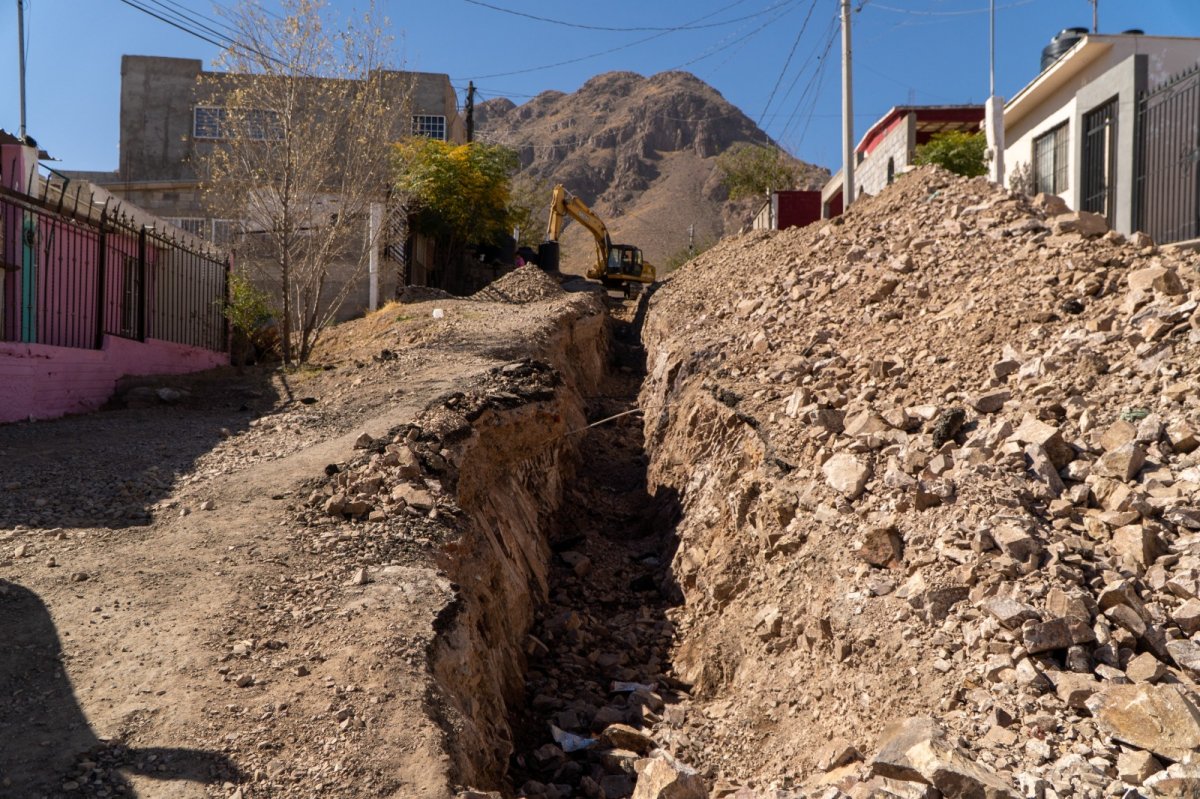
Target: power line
x=222 y=42
x=720 y=48
x=788 y=62
x=958 y=13
x=639 y=29
x=613 y=49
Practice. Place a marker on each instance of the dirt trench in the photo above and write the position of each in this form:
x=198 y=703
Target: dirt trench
x=554 y=661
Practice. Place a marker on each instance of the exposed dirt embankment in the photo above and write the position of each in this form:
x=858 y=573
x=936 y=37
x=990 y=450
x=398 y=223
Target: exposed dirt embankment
x=482 y=472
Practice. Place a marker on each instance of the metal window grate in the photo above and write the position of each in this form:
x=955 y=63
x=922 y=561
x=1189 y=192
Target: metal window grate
x=1100 y=161
x=1051 y=160
x=429 y=125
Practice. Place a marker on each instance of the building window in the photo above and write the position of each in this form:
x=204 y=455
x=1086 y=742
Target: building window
x=217 y=122
x=224 y=231
x=429 y=125
x=196 y=226
x=1050 y=160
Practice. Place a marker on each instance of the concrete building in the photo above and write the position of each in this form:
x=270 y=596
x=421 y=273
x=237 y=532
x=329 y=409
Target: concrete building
x=888 y=148
x=171 y=113
x=1086 y=129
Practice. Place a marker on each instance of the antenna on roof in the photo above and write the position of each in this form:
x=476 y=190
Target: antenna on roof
x=1095 y=15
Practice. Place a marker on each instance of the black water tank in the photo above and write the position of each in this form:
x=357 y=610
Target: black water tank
x=1133 y=32
x=1060 y=44
x=548 y=256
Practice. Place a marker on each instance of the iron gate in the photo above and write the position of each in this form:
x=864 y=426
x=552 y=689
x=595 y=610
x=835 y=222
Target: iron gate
x=1168 y=160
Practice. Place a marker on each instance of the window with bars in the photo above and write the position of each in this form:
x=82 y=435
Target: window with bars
x=197 y=226
x=429 y=125
x=1051 y=160
x=218 y=122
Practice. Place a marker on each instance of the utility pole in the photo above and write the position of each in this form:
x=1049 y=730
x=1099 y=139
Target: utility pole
x=692 y=239
x=994 y=110
x=1095 y=16
x=470 y=111
x=21 y=59
x=847 y=112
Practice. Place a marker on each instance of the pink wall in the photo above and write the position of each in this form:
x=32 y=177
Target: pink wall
x=46 y=382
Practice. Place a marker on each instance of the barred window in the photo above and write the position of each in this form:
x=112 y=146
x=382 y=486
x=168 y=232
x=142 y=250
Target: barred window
x=1051 y=160
x=197 y=226
x=207 y=122
x=429 y=125
x=217 y=122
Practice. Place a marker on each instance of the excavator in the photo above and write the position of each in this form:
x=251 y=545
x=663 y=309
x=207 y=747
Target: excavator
x=617 y=265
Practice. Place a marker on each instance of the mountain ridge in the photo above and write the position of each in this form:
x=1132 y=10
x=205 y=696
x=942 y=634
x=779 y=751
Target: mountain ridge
x=641 y=151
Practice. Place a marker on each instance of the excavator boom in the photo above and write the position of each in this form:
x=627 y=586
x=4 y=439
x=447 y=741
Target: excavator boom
x=616 y=264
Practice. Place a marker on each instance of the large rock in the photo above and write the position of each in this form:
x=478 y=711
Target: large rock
x=1162 y=719
x=846 y=474
x=1156 y=278
x=1046 y=436
x=664 y=779
x=1085 y=223
x=917 y=750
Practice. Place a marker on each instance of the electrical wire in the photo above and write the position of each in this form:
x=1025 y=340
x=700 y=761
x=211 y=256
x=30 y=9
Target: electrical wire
x=787 y=63
x=610 y=50
x=722 y=47
x=641 y=29
x=958 y=13
x=222 y=42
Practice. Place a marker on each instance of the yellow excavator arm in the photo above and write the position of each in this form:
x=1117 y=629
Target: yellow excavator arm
x=616 y=264
x=564 y=204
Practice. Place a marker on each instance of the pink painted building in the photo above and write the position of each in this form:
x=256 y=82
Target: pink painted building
x=91 y=290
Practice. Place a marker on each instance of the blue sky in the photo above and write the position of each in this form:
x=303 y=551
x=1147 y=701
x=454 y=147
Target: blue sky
x=906 y=51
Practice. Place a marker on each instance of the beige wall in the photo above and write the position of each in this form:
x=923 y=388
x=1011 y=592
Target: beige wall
x=1098 y=69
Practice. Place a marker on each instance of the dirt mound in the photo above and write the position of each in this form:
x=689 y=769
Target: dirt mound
x=411 y=294
x=640 y=151
x=523 y=284
x=939 y=480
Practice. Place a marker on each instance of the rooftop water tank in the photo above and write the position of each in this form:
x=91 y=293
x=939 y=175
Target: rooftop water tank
x=1063 y=41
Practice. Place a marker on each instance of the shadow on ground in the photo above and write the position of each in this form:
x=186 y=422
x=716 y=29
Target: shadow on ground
x=49 y=748
x=106 y=469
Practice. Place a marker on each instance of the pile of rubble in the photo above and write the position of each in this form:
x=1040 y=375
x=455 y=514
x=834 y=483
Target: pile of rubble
x=940 y=475
x=524 y=284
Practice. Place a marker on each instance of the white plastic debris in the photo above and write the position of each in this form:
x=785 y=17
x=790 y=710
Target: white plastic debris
x=438 y=313
x=569 y=741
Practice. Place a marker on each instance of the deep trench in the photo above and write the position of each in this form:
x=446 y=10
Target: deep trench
x=598 y=653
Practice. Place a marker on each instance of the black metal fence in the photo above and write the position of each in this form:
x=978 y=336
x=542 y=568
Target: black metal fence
x=68 y=278
x=1168 y=160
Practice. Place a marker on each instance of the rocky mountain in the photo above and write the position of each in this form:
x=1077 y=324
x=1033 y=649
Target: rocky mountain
x=640 y=151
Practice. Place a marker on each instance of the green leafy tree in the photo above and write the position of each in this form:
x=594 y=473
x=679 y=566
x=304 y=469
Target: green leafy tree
x=248 y=309
x=752 y=169
x=962 y=153
x=459 y=193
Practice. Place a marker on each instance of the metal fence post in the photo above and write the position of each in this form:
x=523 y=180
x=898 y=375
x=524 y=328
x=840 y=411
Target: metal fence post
x=101 y=278
x=142 y=304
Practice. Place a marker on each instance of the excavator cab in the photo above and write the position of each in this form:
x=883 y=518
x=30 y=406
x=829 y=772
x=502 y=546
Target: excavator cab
x=624 y=259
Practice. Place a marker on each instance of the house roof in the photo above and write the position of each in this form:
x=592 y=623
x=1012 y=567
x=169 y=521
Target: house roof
x=1086 y=51
x=930 y=119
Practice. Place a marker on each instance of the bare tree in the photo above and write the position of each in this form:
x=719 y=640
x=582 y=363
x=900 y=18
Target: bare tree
x=292 y=142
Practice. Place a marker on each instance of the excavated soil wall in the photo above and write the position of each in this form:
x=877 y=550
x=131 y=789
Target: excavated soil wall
x=511 y=450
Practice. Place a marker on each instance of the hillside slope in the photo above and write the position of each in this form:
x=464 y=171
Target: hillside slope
x=640 y=151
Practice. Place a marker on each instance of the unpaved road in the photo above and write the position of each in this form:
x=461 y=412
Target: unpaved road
x=169 y=629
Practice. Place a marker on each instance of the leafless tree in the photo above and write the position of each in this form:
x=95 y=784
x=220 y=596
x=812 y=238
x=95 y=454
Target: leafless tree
x=296 y=124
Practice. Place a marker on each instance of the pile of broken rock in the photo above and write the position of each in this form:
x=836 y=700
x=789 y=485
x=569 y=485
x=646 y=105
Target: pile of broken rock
x=957 y=450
